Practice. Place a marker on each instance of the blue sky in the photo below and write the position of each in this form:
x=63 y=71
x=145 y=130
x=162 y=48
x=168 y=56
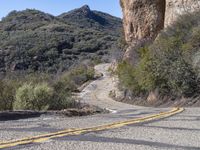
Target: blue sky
x=57 y=7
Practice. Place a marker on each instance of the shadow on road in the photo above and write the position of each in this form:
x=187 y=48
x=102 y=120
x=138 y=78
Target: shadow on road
x=94 y=138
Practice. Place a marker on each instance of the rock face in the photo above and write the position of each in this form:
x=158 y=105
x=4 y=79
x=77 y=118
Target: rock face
x=174 y=8
x=143 y=20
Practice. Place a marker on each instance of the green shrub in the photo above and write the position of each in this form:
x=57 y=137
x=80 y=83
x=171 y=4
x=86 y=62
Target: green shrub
x=24 y=97
x=62 y=99
x=170 y=63
x=81 y=74
x=39 y=91
x=7 y=94
x=68 y=83
x=65 y=82
x=33 y=97
x=75 y=77
x=43 y=96
x=126 y=74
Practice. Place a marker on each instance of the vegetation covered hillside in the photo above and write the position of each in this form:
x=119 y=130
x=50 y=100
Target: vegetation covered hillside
x=44 y=59
x=33 y=41
x=169 y=67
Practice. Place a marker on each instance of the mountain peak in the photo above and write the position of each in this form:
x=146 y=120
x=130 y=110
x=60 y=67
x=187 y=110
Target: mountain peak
x=85 y=10
x=86 y=17
x=85 y=7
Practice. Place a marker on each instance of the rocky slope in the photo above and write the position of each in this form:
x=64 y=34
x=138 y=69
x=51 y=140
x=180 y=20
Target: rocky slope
x=35 y=41
x=143 y=19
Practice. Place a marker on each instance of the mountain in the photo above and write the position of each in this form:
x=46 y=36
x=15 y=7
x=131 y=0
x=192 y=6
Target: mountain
x=84 y=17
x=32 y=40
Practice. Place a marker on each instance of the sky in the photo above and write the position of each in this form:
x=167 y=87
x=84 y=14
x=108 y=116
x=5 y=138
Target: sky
x=56 y=7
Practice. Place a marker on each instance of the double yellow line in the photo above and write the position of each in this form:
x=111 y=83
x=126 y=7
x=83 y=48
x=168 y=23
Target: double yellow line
x=68 y=132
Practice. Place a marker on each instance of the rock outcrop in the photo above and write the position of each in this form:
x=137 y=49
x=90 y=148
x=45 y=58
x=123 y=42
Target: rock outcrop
x=144 y=19
x=174 y=8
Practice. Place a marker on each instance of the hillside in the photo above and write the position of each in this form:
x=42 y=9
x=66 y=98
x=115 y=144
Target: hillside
x=162 y=66
x=85 y=18
x=32 y=40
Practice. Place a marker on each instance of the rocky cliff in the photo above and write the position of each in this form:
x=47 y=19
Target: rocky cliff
x=143 y=19
x=174 y=8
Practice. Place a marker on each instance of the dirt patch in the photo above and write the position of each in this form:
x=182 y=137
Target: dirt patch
x=163 y=102
x=84 y=111
x=15 y=115
x=155 y=100
x=73 y=112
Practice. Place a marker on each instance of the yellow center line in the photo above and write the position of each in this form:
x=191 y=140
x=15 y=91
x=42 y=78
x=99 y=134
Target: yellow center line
x=78 y=131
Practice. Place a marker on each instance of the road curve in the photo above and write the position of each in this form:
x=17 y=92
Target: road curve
x=97 y=92
x=181 y=131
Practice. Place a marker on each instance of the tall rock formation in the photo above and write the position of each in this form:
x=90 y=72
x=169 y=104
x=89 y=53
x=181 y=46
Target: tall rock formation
x=174 y=8
x=144 y=19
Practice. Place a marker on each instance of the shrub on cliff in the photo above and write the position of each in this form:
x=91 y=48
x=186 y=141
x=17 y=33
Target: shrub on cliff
x=170 y=63
x=127 y=76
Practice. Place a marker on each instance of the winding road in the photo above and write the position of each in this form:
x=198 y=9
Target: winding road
x=126 y=127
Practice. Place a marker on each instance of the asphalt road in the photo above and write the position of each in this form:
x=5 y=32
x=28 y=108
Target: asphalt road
x=178 y=132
